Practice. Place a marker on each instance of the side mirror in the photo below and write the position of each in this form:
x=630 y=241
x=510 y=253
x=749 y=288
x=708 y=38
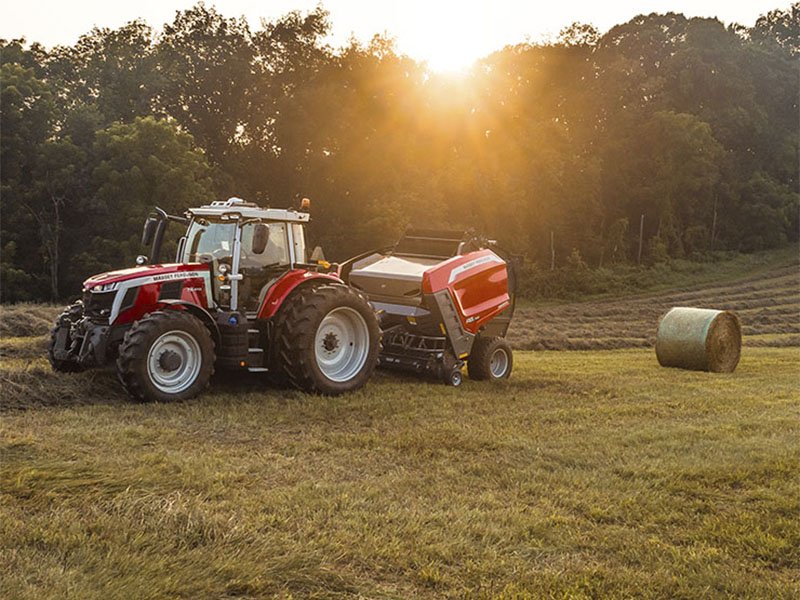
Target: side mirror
x=260 y=237
x=317 y=255
x=149 y=231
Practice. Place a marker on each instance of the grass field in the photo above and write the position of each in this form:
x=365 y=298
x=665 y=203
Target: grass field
x=590 y=474
x=765 y=295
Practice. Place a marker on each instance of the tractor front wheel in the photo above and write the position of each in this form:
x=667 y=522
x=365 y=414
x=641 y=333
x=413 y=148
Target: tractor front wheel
x=491 y=358
x=328 y=339
x=166 y=355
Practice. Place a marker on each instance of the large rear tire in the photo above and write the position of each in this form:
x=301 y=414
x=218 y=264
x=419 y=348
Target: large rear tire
x=491 y=359
x=165 y=356
x=328 y=340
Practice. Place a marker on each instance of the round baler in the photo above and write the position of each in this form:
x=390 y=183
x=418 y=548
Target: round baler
x=443 y=298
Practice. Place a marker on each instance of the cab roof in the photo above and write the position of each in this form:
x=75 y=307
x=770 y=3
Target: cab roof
x=248 y=210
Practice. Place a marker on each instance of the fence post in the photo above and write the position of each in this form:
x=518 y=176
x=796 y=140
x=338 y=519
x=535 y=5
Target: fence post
x=714 y=224
x=641 y=238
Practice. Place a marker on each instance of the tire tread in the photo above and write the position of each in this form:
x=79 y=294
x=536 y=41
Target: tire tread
x=134 y=347
x=295 y=333
x=479 y=361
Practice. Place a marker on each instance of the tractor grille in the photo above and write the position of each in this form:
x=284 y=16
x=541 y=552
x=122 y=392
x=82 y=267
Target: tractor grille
x=97 y=305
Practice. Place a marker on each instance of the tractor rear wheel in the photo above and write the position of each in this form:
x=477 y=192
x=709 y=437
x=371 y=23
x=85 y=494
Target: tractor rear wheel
x=329 y=339
x=491 y=358
x=166 y=355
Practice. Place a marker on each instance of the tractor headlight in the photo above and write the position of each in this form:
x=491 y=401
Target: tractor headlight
x=141 y=260
x=104 y=287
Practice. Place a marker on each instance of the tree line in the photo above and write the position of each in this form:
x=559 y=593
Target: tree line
x=663 y=137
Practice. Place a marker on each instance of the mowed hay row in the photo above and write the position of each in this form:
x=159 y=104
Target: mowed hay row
x=752 y=303
x=24 y=347
x=596 y=343
x=776 y=278
x=765 y=317
x=783 y=327
x=26 y=383
x=768 y=306
x=27 y=319
x=784 y=310
x=762 y=299
x=772 y=340
x=757 y=289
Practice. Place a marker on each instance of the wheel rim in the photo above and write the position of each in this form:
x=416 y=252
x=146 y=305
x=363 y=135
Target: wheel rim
x=341 y=345
x=174 y=361
x=498 y=364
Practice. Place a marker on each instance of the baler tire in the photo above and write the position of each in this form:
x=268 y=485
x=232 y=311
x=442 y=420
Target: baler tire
x=306 y=310
x=132 y=364
x=480 y=365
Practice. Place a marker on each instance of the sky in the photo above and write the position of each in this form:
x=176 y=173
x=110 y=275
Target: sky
x=448 y=34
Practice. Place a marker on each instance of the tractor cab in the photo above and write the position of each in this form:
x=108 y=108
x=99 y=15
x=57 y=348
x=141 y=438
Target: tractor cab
x=246 y=247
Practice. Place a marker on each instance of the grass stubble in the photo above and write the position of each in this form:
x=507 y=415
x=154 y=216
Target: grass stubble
x=588 y=474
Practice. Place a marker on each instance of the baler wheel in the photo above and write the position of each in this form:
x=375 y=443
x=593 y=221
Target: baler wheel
x=454 y=378
x=166 y=355
x=491 y=359
x=328 y=340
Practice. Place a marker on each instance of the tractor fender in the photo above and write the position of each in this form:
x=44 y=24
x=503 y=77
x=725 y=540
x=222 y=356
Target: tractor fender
x=197 y=311
x=290 y=281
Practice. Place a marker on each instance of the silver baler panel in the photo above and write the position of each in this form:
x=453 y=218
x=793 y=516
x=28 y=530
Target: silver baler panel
x=391 y=278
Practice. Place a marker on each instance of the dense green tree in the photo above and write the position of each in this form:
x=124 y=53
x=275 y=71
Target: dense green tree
x=558 y=147
x=26 y=122
x=113 y=72
x=208 y=77
x=136 y=166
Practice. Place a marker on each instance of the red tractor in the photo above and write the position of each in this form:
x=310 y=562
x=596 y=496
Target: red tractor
x=243 y=294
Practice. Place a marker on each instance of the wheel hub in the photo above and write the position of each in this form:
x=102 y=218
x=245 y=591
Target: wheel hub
x=342 y=344
x=174 y=361
x=169 y=360
x=330 y=342
x=498 y=364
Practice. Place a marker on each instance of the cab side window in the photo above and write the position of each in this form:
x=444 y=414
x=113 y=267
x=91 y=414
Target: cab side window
x=276 y=252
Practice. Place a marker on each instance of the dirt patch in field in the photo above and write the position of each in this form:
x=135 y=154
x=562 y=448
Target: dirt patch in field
x=768 y=306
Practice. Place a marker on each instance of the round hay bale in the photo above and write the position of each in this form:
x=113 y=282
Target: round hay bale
x=699 y=339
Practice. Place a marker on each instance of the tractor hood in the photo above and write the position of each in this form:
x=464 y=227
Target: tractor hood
x=153 y=273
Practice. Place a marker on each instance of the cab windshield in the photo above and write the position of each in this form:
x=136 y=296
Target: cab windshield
x=209 y=241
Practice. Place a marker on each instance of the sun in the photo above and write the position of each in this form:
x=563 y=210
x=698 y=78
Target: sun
x=450 y=39
x=450 y=60
x=449 y=55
